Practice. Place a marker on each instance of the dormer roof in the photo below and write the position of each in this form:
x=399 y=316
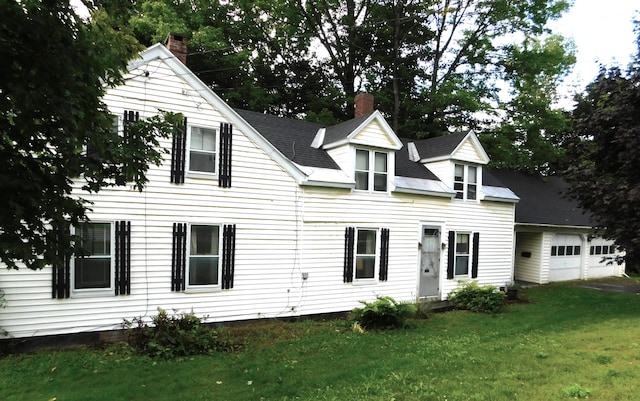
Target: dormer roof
x=353 y=132
x=463 y=146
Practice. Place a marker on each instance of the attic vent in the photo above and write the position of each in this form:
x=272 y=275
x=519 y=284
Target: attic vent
x=319 y=139
x=414 y=156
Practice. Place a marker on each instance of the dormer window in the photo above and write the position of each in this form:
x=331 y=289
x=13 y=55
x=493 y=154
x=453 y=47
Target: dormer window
x=465 y=182
x=371 y=170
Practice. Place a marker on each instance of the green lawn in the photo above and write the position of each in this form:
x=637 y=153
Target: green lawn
x=564 y=342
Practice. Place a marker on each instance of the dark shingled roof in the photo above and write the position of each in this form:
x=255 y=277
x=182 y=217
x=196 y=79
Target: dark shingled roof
x=439 y=146
x=293 y=139
x=542 y=199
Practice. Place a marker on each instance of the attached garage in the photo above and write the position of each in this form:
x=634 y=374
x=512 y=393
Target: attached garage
x=565 y=262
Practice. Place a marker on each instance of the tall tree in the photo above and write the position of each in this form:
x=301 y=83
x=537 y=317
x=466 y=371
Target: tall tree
x=530 y=134
x=54 y=69
x=604 y=154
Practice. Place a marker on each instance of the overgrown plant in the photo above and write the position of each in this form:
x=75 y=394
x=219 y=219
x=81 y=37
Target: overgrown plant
x=383 y=313
x=577 y=391
x=3 y=304
x=476 y=298
x=171 y=336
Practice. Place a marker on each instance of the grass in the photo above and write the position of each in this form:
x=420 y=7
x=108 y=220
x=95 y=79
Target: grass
x=566 y=343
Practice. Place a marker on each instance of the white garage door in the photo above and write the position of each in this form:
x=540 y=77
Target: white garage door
x=566 y=257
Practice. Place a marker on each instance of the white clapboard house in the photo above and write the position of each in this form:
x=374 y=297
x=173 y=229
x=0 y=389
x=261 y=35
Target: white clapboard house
x=254 y=216
x=554 y=236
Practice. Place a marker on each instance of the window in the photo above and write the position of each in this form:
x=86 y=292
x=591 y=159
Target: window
x=465 y=182
x=204 y=256
x=202 y=150
x=462 y=255
x=602 y=250
x=365 y=249
x=367 y=177
x=567 y=250
x=365 y=254
x=92 y=270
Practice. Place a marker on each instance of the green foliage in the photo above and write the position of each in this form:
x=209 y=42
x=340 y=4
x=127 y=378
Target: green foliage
x=172 y=336
x=603 y=158
x=3 y=304
x=476 y=298
x=576 y=391
x=383 y=313
x=56 y=68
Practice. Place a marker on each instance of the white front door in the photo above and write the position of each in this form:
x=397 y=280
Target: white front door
x=430 y=262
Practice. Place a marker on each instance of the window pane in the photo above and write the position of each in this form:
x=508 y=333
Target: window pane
x=365 y=266
x=554 y=250
x=472 y=171
x=462 y=265
x=92 y=272
x=598 y=249
x=95 y=238
x=471 y=191
x=462 y=243
x=591 y=250
x=569 y=250
x=362 y=159
x=561 y=251
x=366 y=242
x=203 y=139
x=459 y=173
x=380 y=182
x=380 y=162
x=204 y=240
x=205 y=162
x=576 y=250
x=203 y=270
x=362 y=180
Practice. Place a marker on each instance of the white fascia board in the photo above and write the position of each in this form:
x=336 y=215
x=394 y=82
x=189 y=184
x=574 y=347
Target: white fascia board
x=158 y=51
x=325 y=177
x=422 y=186
x=555 y=226
x=397 y=143
x=476 y=144
x=499 y=194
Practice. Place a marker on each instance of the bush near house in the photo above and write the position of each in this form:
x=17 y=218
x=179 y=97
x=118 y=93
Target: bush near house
x=383 y=313
x=476 y=298
x=172 y=336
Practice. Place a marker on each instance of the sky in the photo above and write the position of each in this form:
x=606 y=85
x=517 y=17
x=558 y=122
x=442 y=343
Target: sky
x=603 y=34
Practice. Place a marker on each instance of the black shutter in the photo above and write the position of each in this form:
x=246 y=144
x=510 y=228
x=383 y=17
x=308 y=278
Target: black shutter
x=474 y=257
x=228 y=255
x=61 y=277
x=178 y=151
x=384 y=254
x=349 y=243
x=178 y=257
x=128 y=118
x=224 y=176
x=123 y=258
x=451 y=260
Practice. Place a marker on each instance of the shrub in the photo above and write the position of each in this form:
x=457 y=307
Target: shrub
x=172 y=336
x=475 y=298
x=3 y=304
x=383 y=313
x=577 y=391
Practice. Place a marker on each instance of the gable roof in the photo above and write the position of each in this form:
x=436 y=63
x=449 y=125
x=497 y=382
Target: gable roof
x=347 y=131
x=543 y=200
x=445 y=147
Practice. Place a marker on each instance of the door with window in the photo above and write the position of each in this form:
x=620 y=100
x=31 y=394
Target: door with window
x=430 y=262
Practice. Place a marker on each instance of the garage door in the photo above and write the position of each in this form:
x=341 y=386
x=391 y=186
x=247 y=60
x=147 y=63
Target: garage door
x=566 y=257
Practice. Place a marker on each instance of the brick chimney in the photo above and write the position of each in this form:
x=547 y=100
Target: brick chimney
x=177 y=44
x=364 y=104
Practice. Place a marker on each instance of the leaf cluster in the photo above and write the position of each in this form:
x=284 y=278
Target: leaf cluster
x=383 y=313
x=475 y=298
x=169 y=336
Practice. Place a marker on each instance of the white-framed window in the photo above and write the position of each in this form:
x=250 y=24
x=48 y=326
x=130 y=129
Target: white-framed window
x=93 y=269
x=566 y=250
x=372 y=170
x=203 y=269
x=202 y=150
x=465 y=182
x=462 y=254
x=366 y=254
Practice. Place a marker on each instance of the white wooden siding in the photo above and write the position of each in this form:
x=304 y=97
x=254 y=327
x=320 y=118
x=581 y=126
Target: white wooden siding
x=443 y=170
x=597 y=266
x=468 y=153
x=374 y=135
x=528 y=268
